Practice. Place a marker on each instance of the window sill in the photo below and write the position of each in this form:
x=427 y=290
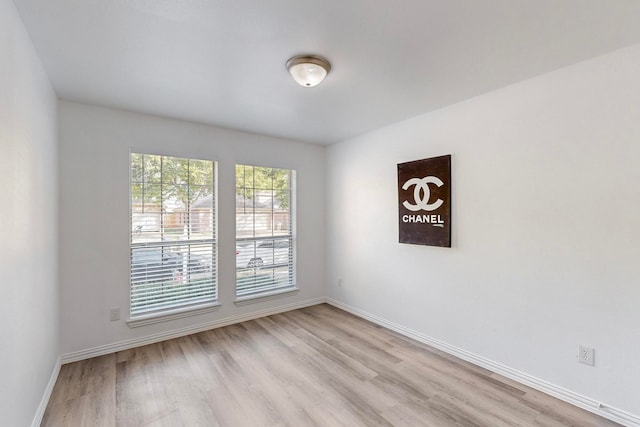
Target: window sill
x=165 y=316
x=264 y=296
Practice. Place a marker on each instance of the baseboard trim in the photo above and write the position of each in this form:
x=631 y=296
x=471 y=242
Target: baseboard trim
x=176 y=333
x=568 y=396
x=37 y=419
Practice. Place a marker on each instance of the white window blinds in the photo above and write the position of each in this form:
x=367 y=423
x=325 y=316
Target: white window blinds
x=173 y=249
x=265 y=229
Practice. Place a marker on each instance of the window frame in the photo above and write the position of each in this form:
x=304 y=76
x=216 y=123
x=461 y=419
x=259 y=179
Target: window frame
x=270 y=291
x=190 y=305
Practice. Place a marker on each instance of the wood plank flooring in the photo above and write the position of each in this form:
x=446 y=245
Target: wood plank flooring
x=317 y=366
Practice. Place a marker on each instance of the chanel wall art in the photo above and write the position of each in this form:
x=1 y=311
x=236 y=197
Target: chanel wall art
x=424 y=201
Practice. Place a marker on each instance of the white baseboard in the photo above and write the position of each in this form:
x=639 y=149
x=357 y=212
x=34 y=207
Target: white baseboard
x=568 y=396
x=37 y=419
x=176 y=333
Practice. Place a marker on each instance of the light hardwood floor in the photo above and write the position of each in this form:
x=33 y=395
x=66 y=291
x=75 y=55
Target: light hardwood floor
x=317 y=366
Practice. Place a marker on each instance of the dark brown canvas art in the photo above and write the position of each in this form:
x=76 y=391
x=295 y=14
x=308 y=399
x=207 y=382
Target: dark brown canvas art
x=424 y=201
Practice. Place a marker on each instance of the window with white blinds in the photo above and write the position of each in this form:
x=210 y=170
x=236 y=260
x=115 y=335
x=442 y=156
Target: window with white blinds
x=265 y=230
x=173 y=233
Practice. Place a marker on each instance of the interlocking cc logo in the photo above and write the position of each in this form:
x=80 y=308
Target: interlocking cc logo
x=422 y=193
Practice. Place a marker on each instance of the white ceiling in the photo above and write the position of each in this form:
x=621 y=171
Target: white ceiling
x=222 y=62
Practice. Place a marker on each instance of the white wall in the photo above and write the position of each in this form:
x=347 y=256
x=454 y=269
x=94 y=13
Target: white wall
x=546 y=222
x=28 y=225
x=94 y=215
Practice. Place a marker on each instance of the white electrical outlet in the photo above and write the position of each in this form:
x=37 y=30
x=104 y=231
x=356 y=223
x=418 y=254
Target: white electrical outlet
x=586 y=355
x=114 y=314
x=339 y=283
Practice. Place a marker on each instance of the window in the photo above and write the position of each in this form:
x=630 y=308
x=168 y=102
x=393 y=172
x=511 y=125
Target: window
x=265 y=230
x=173 y=234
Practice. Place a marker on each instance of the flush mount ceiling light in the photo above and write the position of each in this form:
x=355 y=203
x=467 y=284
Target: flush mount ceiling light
x=308 y=70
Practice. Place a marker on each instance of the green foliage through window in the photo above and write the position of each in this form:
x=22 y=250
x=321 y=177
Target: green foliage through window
x=252 y=179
